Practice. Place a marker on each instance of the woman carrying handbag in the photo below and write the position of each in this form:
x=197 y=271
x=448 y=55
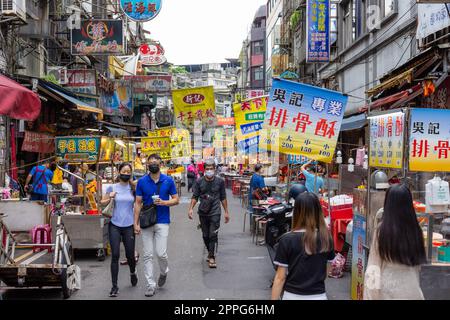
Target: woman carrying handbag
x=119 y=200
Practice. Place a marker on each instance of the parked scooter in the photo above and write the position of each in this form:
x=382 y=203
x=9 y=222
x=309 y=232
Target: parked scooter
x=279 y=220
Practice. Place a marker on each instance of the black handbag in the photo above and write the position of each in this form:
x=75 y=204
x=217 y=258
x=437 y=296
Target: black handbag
x=148 y=215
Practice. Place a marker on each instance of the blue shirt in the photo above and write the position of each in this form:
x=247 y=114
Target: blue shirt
x=310 y=180
x=146 y=188
x=40 y=179
x=256 y=182
x=123 y=214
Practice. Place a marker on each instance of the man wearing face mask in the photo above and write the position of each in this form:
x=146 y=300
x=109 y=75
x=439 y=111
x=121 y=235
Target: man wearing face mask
x=211 y=192
x=159 y=189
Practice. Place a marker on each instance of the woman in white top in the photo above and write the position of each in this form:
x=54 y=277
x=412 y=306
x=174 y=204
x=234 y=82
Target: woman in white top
x=397 y=251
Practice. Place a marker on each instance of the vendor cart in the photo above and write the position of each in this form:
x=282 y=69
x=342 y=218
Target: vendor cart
x=38 y=265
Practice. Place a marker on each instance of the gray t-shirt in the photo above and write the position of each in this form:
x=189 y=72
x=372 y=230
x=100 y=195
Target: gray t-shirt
x=215 y=189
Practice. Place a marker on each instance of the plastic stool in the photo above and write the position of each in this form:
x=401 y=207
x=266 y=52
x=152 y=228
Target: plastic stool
x=45 y=238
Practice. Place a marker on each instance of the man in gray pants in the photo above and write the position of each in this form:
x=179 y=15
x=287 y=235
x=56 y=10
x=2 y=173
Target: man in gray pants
x=210 y=189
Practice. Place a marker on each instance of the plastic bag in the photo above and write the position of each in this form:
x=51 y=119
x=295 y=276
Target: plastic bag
x=337 y=267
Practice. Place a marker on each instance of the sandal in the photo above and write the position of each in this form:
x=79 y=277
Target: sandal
x=212 y=263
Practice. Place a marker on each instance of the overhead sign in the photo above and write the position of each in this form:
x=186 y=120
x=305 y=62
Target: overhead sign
x=152 y=54
x=98 y=37
x=432 y=17
x=307 y=119
x=318 y=31
x=120 y=102
x=222 y=121
x=249 y=116
x=386 y=141
x=163 y=117
x=141 y=10
x=197 y=104
x=78 y=148
x=254 y=93
x=429 y=142
x=158 y=141
x=144 y=85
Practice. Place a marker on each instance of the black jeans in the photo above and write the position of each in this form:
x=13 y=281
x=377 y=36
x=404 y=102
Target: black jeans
x=210 y=229
x=126 y=235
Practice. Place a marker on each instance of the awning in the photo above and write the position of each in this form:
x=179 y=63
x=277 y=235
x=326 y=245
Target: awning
x=77 y=103
x=355 y=122
x=401 y=79
x=18 y=102
x=407 y=72
x=116 y=132
x=395 y=98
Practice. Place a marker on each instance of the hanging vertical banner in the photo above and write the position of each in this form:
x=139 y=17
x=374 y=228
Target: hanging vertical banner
x=429 y=143
x=308 y=119
x=141 y=10
x=318 y=29
x=386 y=140
x=249 y=116
x=197 y=104
x=358 y=257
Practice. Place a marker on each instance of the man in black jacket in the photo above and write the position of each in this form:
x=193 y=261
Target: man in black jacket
x=210 y=189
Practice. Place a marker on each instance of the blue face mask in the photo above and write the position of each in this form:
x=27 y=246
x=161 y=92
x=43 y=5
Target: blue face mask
x=209 y=173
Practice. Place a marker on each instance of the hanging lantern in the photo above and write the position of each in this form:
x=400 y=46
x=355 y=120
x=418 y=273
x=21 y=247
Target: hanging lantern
x=428 y=88
x=339 y=157
x=351 y=165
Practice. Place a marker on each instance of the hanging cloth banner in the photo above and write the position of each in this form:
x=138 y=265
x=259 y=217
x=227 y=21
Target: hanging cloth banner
x=386 y=141
x=249 y=116
x=197 y=104
x=308 y=119
x=429 y=142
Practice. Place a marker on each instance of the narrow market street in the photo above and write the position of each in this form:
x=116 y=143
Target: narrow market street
x=244 y=270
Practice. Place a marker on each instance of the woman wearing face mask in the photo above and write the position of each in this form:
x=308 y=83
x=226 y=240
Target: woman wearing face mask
x=121 y=225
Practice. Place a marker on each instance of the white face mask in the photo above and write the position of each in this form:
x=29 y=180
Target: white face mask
x=209 y=173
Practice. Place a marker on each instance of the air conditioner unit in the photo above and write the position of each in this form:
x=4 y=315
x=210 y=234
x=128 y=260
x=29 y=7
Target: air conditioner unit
x=60 y=74
x=14 y=8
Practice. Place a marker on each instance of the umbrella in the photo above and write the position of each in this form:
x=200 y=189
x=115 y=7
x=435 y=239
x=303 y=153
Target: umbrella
x=18 y=102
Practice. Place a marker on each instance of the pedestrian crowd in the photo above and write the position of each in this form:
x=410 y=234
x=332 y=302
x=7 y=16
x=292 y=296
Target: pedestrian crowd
x=142 y=207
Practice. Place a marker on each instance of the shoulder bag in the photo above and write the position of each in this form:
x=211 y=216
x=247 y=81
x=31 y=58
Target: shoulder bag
x=109 y=209
x=148 y=215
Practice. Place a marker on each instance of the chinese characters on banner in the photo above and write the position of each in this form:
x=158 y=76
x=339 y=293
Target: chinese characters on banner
x=158 y=141
x=78 y=148
x=358 y=257
x=181 y=144
x=386 y=140
x=318 y=28
x=38 y=142
x=429 y=143
x=308 y=119
x=141 y=10
x=249 y=116
x=98 y=37
x=251 y=94
x=196 y=104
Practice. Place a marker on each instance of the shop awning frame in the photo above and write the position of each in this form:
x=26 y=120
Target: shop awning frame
x=355 y=122
x=61 y=95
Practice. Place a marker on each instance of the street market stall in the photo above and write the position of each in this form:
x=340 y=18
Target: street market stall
x=409 y=146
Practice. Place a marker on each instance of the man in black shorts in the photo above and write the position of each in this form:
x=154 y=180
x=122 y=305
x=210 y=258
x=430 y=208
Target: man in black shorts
x=210 y=189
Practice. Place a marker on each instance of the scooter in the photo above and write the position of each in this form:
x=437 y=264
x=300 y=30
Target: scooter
x=279 y=220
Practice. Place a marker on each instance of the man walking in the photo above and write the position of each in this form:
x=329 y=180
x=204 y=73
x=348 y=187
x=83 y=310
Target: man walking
x=42 y=176
x=159 y=189
x=211 y=192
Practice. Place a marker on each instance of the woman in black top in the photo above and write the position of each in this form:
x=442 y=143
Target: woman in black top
x=302 y=255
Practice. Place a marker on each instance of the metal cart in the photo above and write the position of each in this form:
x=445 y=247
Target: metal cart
x=45 y=265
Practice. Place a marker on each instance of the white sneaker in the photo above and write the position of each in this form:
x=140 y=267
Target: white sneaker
x=150 y=292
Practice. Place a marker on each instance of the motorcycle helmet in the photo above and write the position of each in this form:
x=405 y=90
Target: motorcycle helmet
x=379 y=180
x=296 y=190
